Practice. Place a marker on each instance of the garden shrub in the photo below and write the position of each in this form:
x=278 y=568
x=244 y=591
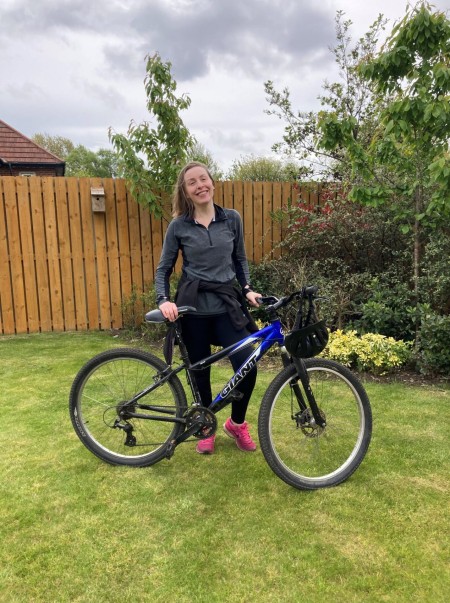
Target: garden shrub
x=341 y=289
x=435 y=273
x=134 y=308
x=365 y=239
x=388 y=308
x=434 y=356
x=341 y=247
x=371 y=352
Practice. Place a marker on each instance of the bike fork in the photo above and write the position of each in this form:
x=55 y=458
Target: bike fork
x=304 y=378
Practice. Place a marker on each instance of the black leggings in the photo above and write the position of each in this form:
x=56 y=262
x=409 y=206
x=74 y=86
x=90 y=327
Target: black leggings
x=199 y=333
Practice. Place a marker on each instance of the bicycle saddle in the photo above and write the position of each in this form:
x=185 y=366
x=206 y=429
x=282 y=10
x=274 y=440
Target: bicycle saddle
x=156 y=315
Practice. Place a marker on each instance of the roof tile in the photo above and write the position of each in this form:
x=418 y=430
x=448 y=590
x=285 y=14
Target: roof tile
x=17 y=148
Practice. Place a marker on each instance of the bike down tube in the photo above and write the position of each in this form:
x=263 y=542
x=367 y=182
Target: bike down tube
x=268 y=336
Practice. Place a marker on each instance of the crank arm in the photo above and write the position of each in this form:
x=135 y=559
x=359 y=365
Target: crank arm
x=182 y=438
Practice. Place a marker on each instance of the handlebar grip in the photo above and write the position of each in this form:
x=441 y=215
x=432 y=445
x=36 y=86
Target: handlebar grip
x=270 y=299
x=311 y=290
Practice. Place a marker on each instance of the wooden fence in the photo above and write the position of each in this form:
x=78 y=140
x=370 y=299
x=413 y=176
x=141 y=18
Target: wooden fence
x=66 y=267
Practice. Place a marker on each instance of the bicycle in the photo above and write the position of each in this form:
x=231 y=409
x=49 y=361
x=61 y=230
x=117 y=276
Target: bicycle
x=128 y=407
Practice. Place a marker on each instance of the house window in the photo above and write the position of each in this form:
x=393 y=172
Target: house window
x=27 y=174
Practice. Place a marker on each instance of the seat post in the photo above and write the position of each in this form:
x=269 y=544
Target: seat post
x=183 y=350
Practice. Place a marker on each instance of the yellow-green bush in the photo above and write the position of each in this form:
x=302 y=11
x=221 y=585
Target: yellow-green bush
x=371 y=352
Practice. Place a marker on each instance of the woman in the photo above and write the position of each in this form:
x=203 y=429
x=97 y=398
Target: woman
x=211 y=241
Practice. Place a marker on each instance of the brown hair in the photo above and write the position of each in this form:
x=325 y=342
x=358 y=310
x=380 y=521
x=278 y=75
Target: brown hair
x=181 y=204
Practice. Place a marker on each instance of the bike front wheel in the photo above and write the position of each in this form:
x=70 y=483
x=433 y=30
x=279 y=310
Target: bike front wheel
x=303 y=454
x=116 y=430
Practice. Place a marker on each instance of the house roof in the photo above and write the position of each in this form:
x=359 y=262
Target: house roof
x=16 y=148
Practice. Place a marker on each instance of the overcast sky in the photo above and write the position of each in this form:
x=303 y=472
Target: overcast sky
x=74 y=68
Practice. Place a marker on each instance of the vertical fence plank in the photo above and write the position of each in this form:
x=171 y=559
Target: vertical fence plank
x=247 y=217
x=135 y=243
x=267 y=223
x=28 y=266
x=156 y=227
x=41 y=255
x=148 y=267
x=123 y=237
x=7 y=318
x=14 y=236
x=112 y=242
x=102 y=270
x=77 y=254
x=238 y=198
x=228 y=195
x=65 y=253
x=104 y=301
x=257 y=221
x=276 y=221
x=218 y=193
x=288 y=197
x=54 y=272
x=136 y=256
x=89 y=257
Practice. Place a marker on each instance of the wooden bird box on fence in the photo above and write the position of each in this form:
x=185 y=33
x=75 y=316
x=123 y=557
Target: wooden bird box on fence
x=98 y=199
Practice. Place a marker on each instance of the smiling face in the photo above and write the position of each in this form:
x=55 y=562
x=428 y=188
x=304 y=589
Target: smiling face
x=198 y=186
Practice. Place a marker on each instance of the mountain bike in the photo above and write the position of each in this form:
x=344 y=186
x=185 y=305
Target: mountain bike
x=129 y=407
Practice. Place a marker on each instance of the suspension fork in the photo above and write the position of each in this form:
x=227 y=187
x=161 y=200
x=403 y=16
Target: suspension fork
x=304 y=378
x=287 y=361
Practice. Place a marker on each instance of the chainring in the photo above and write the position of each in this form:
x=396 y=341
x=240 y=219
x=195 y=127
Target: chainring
x=207 y=420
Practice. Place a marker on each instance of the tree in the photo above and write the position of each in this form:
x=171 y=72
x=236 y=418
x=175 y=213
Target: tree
x=199 y=153
x=152 y=156
x=263 y=169
x=58 y=145
x=350 y=96
x=81 y=162
x=407 y=160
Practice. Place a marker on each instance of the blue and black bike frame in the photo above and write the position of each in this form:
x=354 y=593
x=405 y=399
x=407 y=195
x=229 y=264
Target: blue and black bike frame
x=266 y=337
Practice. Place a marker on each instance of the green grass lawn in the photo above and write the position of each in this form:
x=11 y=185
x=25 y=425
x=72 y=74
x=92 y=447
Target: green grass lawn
x=222 y=528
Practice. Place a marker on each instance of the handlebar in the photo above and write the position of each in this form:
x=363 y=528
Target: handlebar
x=275 y=303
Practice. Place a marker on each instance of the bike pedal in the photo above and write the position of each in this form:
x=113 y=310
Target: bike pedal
x=170 y=449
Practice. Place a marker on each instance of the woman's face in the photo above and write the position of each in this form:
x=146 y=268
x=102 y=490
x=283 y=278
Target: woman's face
x=198 y=186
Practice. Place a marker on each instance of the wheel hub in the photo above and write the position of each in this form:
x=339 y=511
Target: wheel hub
x=308 y=425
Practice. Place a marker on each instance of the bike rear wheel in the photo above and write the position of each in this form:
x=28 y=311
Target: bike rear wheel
x=300 y=452
x=100 y=409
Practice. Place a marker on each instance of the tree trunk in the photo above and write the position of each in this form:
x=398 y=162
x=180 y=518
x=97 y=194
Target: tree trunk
x=417 y=259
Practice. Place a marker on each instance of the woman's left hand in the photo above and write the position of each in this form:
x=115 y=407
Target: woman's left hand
x=251 y=297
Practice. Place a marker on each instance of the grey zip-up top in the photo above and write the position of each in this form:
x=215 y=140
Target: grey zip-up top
x=215 y=254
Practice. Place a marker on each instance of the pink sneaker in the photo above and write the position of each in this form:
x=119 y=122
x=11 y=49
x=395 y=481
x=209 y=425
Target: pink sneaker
x=240 y=434
x=206 y=446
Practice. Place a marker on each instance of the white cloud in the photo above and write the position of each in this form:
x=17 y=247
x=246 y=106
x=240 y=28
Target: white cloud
x=74 y=68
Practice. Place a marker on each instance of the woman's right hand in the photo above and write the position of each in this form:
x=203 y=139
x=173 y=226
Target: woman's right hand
x=169 y=310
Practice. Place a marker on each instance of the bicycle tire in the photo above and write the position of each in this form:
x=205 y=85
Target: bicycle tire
x=312 y=458
x=98 y=392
